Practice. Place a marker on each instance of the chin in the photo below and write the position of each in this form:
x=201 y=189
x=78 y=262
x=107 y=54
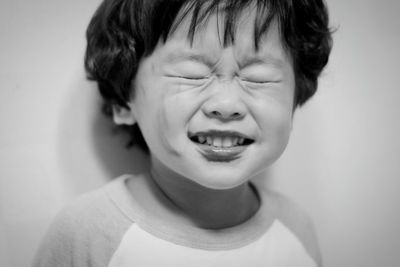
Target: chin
x=220 y=178
x=220 y=175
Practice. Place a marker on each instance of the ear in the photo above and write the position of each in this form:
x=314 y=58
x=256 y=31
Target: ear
x=123 y=116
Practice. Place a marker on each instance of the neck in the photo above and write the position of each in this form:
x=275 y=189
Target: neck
x=207 y=208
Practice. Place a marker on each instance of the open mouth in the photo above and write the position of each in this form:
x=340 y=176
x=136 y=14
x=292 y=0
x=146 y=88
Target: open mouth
x=221 y=139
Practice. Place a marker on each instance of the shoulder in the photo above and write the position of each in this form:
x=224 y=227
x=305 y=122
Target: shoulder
x=90 y=210
x=298 y=221
x=85 y=232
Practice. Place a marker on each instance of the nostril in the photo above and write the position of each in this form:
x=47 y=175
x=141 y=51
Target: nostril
x=235 y=115
x=225 y=115
x=216 y=113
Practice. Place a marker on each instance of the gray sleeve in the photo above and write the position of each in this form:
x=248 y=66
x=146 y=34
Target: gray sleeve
x=85 y=233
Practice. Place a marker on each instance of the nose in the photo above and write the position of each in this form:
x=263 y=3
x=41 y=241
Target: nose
x=225 y=103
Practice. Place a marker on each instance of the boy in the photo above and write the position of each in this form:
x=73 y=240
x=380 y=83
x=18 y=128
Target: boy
x=208 y=88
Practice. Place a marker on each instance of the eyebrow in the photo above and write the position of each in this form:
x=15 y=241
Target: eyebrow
x=179 y=56
x=262 y=60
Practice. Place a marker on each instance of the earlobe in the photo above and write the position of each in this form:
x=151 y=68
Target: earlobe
x=123 y=116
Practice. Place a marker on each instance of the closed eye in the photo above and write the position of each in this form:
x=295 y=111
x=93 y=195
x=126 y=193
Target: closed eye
x=261 y=81
x=260 y=74
x=188 y=77
x=188 y=70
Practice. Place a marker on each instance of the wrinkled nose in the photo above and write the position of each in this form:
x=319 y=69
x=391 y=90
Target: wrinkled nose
x=225 y=104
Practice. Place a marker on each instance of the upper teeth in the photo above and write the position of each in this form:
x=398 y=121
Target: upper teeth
x=219 y=141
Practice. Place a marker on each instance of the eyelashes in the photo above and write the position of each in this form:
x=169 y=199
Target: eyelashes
x=196 y=77
x=189 y=77
x=189 y=71
x=260 y=82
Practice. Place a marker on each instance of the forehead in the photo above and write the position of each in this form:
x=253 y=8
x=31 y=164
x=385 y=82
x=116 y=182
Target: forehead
x=210 y=35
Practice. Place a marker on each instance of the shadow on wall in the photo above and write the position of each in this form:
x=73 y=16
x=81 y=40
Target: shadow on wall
x=90 y=150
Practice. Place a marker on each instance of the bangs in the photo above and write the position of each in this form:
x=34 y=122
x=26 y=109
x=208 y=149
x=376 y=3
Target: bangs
x=230 y=12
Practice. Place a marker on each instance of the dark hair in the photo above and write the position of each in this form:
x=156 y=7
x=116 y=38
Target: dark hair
x=122 y=32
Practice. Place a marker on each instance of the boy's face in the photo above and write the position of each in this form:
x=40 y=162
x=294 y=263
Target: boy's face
x=215 y=115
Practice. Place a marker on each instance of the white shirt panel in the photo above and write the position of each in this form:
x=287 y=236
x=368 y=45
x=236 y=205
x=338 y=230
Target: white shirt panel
x=278 y=247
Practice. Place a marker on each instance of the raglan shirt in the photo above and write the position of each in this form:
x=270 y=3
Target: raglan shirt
x=115 y=228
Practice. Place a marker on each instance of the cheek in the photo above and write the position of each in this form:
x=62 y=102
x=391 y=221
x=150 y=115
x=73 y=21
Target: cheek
x=283 y=124
x=171 y=116
x=170 y=123
x=178 y=109
x=275 y=122
x=276 y=129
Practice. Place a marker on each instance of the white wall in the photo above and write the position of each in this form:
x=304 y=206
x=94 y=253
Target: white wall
x=343 y=160
x=341 y=164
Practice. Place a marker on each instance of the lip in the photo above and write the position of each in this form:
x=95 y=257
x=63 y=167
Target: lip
x=221 y=154
x=220 y=133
